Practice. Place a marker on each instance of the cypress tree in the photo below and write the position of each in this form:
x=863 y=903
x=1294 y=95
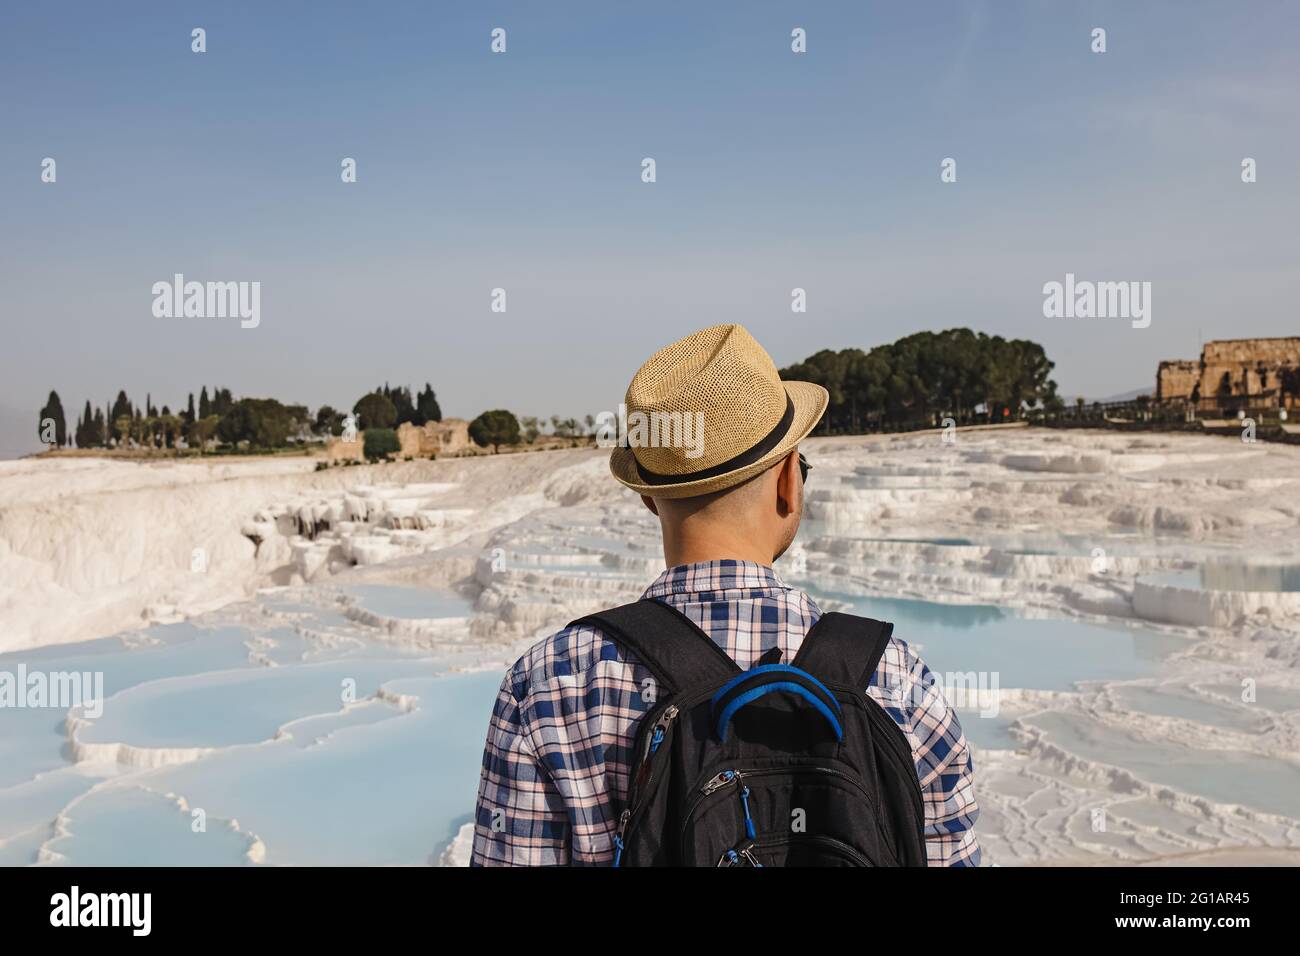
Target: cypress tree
x=53 y=410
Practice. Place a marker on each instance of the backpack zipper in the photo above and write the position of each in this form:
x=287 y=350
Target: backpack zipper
x=746 y=853
x=896 y=744
x=660 y=731
x=653 y=741
x=725 y=779
x=728 y=777
x=717 y=782
x=618 y=836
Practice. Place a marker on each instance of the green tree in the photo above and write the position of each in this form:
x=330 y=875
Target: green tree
x=496 y=428
x=205 y=406
x=300 y=420
x=52 y=413
x=100 y=430
x=86 y=428
x=375 y=410
x=380 y=443
x=170 y=428
x=121 y=406
x=328 y=421
x=201 y=432
x=403 y=405
x=262 y=422
x=426 y=407
x=921 y=378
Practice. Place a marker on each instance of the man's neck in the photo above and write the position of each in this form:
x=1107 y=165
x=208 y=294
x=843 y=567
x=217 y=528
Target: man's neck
x=699 y=552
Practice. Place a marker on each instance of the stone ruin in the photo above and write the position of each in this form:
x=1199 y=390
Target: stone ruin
x=1235 y=373
x=447 y=437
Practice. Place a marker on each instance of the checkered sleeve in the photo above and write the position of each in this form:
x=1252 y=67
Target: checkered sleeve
x=520 y=818
x=943 y=763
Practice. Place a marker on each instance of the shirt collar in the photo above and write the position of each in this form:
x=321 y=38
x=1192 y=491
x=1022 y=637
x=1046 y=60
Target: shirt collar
x=707 y=576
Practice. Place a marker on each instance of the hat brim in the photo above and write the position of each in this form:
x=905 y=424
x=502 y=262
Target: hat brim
x=809 y=403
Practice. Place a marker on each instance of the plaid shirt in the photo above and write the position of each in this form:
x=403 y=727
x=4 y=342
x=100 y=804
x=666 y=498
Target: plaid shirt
x=559 y=747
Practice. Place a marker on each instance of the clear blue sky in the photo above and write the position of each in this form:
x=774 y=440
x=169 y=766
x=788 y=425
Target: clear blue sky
x=522 y=171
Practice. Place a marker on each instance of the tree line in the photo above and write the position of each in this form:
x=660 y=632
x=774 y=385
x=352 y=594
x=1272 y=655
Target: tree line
x=263 y=423
x=921 y=379
x=914 y=382
x=917 y=381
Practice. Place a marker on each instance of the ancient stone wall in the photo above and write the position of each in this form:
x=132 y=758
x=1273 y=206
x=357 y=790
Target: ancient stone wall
x=453 y=435
x=447 y=437
x=339 y=450
x=1232 y=368
x=1176 y=379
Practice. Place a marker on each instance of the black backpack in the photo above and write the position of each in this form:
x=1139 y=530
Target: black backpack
x=780 y=765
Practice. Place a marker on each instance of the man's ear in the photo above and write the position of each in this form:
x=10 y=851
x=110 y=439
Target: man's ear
x=787 y=479
x=649 y=503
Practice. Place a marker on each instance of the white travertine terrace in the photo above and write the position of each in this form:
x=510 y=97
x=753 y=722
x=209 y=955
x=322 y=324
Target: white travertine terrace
x=1098 y=527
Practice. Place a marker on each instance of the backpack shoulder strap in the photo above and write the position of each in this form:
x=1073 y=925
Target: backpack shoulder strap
x=844 y=649
x=666 y=641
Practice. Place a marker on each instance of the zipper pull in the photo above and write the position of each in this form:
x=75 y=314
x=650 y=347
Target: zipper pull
x=718 y=782
x=661 y=729
x=748 y=854
x=618 y=837
x=749 y=821
x=730 y=858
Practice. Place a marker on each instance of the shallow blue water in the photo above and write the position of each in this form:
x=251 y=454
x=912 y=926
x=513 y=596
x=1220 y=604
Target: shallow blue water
x=1038 y=653
x=986 y=730
x=303 y=755
x=241 y=706
x=128 y=826
x=1264 y=783
x=381 y=792
x=321 y=779
x=1184 y=706
x=32 y=740
x=414 y=603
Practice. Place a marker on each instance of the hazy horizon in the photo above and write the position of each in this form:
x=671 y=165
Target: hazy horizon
x=522 y=171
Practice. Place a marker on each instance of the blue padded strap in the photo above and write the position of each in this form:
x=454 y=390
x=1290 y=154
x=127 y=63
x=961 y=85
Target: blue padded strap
x=770 y=678
x=765 y=669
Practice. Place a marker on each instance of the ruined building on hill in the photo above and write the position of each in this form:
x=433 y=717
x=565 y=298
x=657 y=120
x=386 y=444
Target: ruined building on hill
x=447 y=437
x=1234 y=375
x=442 y=439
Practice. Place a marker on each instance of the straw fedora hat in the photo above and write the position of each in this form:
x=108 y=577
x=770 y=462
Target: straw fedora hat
x=720 y=389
